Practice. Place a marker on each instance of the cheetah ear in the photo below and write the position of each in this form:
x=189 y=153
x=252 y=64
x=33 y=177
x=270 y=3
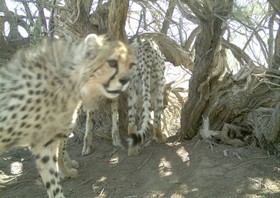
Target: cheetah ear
x=94 y=41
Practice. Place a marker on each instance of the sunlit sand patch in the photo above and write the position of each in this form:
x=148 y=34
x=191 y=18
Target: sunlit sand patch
x=164 y=167
x=16 y=168
x=183 y=154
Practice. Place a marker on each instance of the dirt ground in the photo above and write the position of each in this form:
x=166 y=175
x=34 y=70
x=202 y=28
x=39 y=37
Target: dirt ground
x=175 y=169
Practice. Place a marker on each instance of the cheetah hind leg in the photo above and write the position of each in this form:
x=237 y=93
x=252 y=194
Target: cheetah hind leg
x=134 y=150
x=117 y=141
x=67 y=167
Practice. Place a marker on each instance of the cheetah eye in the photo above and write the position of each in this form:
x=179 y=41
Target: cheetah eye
x=113 y=63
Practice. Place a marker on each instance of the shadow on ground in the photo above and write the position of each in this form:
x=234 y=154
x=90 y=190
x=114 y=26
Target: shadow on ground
x=175 y=169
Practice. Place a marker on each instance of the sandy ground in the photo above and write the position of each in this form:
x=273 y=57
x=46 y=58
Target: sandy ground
x=175 y=169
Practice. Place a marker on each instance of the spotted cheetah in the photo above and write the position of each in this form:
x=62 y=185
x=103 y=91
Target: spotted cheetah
x=145 y=94
x=41 y=87
x=146 y=91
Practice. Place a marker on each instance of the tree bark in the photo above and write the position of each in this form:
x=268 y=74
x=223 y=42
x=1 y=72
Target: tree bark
x=211 y=17
x=168 y=17
x=117 y=19
x=276 y=56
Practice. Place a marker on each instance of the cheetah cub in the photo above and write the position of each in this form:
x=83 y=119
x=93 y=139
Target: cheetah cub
x=41 y=87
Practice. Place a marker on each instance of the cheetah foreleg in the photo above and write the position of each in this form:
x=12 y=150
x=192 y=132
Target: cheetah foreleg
x=67 y=167
x=46 y=160
x=87 y=148
x=134 y=150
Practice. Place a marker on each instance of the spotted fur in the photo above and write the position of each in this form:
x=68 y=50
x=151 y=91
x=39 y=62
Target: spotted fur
x=41 y=87
x=145 y=94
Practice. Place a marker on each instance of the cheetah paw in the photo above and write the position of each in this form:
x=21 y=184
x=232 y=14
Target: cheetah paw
x=70 y=173
x=117 y=143
x=135 y=150
x=74 y=164
x=87 y=150
x=162 y=138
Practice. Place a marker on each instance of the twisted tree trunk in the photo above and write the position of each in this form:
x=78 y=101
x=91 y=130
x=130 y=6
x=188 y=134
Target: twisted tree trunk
x=236 y=109
x=211 y=17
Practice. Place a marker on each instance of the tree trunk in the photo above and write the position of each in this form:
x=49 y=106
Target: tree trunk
x=236 y=109
x=117 y=19
x=243 y=108
x=207 y=43
x=276 y=56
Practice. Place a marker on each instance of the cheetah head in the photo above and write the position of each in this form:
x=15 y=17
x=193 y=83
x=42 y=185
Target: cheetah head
x=107 y=67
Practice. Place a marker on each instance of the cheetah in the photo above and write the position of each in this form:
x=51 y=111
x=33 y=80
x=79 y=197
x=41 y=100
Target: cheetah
x=145 y=94
x=41 y=87
x=145 y=90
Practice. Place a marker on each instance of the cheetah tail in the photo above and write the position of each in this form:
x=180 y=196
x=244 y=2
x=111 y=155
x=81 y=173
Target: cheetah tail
x=135 y=139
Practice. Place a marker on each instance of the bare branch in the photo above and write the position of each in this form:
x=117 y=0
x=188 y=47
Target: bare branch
x=51 y=21
x=28 y=13
x=196 y=8
x=42 y=17
x=14 y=21
x=276 y=6
x=100 y=2
x=168 y=16
x=191 y=38
x=256 y=34
x=187 y=14
x=270 y=41
x=276 y=57
x=238 y=53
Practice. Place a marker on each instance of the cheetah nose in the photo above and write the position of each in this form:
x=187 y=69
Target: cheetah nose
x=124 y=80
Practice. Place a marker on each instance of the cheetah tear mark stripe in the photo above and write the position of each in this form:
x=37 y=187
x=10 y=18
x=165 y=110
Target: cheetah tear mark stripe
x=112 y=77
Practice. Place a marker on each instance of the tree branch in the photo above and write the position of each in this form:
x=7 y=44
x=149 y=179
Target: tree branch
x=238 y=53
x=256 y=34
x=276 y=6
x=191 y=38
x=276 y=56
x=13 y=21
x=42 y=17
x=28 y=13
x=168 y=16
x=270 y=41
x=188 y=15
x=197 y=9
x=51 y=21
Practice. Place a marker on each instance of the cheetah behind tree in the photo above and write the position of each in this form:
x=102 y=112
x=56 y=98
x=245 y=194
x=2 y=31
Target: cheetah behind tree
x=145 y=94
x=40 y=89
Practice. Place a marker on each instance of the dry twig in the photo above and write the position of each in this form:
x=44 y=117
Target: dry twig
x=145 y=161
